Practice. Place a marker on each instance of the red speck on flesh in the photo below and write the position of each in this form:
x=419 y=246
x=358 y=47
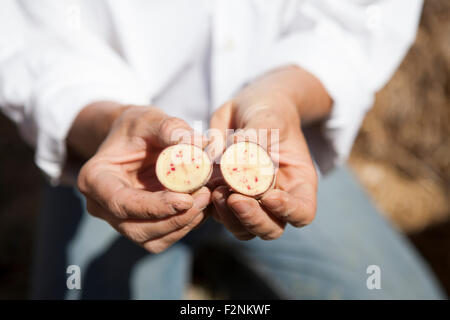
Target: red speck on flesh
x=256 y=179
x=192 y=159
x=171 y=164
x=234 y=169
x=173 y=169
x=188 y=182
x=248 y=187
x=197 y=167
x=168 y=172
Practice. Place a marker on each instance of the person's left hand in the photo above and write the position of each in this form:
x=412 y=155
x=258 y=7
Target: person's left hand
x=293 y=200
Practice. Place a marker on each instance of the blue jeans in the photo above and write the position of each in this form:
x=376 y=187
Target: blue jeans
x=326 y=260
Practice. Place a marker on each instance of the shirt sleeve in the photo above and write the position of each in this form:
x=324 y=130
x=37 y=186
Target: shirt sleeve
x=48 y=73
x=353 y=47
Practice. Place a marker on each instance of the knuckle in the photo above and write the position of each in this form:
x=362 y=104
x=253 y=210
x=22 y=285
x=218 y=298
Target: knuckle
x=134 y=233
x=81 y=182
x=273 y=235
x=85 y=178
x=252 y=223
x=299 y=224
x=307 y=218
x=166 y=202
x=88 y=176
x=169 y=125
x=248 y=218
x=180 y=221
x=309 y=208
x=155 y=247
x=142 y=209
x=284 y=209
x=117 y=208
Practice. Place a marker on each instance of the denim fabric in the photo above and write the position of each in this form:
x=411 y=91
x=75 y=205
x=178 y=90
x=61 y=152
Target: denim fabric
x=326 y=260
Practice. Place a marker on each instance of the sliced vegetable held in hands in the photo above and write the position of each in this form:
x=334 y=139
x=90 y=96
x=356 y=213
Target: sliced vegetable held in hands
x=183 y=168
x=248 y=169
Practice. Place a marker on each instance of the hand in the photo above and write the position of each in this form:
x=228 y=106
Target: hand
x=120 y=183
x=263 y=105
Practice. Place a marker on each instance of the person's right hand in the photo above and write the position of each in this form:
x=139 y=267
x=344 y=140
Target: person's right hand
x=121 y=186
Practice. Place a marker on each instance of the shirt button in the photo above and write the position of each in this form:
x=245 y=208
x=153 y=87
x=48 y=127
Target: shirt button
x=228 y=44
x=374 y=17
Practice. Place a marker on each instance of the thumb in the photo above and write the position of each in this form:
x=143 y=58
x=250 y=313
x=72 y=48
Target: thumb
x=221 y=121
x=173 y=130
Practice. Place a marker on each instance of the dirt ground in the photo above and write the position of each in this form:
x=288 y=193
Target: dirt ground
x=401 y=155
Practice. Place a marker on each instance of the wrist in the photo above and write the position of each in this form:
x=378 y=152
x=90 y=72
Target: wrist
x=266 y=102
x=293 y=86
x=91 y=127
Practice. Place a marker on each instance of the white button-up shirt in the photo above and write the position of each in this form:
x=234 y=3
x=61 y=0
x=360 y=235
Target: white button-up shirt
x=190 y=56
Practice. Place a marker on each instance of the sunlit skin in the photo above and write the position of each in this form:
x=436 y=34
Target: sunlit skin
x=121 y=187
x=280 y=100
x=122 y=144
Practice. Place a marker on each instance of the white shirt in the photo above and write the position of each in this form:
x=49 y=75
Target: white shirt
x=190 y=56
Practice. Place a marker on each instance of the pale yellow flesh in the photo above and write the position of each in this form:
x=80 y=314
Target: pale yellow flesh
x=183 y=168
x=247 y=168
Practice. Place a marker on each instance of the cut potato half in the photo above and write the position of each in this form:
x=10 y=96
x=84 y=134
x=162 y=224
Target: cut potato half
x=248 y=169
x=183 y=168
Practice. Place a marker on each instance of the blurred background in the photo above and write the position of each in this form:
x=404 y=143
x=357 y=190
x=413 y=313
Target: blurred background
x=401 y=155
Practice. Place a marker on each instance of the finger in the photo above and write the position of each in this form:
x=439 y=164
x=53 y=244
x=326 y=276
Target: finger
x=216 y=179
x=175 y=130
x=141 y=231
x=125 y=202
x=220 y=124
x=160 y=244
x=222 y=120
x=212 y=212
x=254 y=218
x=226 y=216
x=263 y=126
x=140 y=204
x=241 y=135
x=297 y=207
x=202 y=198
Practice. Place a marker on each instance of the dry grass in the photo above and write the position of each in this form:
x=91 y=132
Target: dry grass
x=402 y=153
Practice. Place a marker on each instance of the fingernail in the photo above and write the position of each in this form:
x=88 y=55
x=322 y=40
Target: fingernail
x=182 y=204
